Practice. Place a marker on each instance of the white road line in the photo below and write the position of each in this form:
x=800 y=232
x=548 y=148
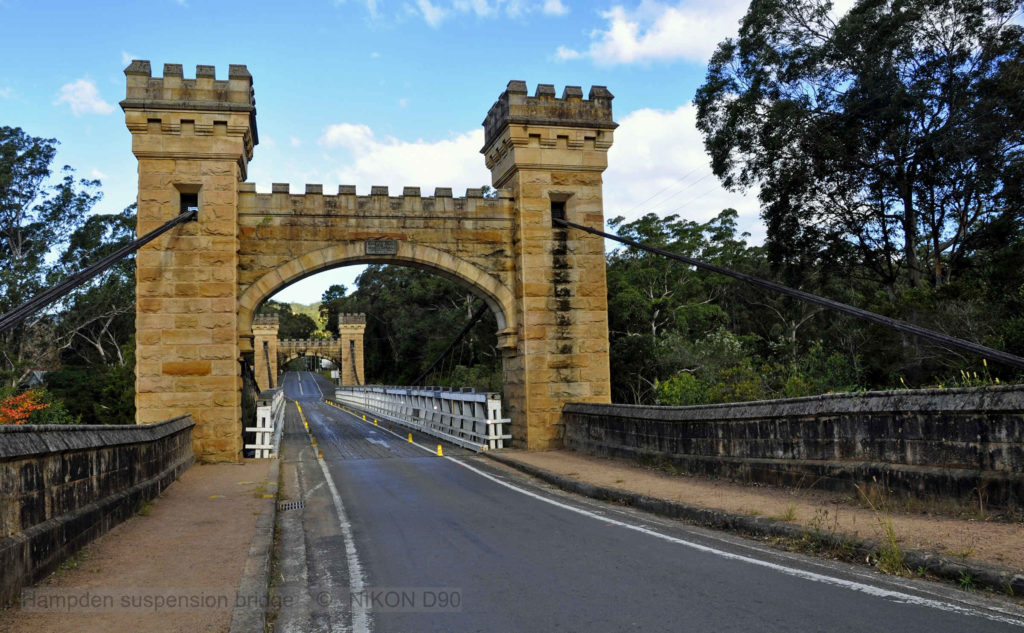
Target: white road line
x=896 y=596
x=356 y=579
x=316 y=384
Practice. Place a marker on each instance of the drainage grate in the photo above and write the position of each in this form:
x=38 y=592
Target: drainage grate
x=291 y=505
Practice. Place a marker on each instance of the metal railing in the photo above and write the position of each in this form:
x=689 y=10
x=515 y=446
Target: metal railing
x=471 y=420
x=269 y=413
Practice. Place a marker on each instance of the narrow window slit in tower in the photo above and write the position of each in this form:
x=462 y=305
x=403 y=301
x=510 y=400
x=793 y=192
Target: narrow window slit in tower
x=189 y=202
x=557 y=212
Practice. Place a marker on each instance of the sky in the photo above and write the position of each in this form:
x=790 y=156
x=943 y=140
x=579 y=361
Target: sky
x=380 y=92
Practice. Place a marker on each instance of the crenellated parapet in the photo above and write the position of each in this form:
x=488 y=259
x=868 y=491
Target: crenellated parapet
x=203 y=106
x=266 y=321
x=354 y=318
x=547 y=132
x=515 y=106
x=311 y=343
x=281 y=200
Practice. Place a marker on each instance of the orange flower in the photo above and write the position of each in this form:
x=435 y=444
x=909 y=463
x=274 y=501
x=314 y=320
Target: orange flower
x=17 y=409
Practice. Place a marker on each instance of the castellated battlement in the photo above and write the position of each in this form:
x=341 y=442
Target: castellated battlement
x=356 y=318
x=265 y=320
x=203 y=92
x=168 y=115
x=515 y=106
x=281 y=201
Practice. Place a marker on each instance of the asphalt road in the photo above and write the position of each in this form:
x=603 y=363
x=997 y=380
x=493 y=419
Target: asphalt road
x=413 y=530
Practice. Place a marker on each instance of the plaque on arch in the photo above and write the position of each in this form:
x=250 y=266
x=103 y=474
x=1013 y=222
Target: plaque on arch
x=381 y=247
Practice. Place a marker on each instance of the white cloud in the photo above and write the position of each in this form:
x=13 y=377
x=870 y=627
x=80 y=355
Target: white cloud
x=480 y=7
x=658 y=31
x=452 y=162
x=295 y=142
x=565 y=54
x=374 y=55
x=432 y=13
x=657 y=164
x=403 y=102
x=554 y=7
x=126 y=57
x=96 y=174
x=6 y=93
x=84 y=98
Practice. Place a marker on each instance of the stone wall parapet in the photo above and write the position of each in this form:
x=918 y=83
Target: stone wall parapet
x=63 y=486
x=281 y=201
x=950 y=443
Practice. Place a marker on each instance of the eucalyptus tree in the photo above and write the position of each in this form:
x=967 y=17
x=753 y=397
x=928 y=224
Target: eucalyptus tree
x=896 y=128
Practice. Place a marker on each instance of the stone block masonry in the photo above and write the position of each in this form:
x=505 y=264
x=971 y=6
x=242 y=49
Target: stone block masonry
x=63 y=486
x=198 y=289
x=961 y=444
x=193 y=139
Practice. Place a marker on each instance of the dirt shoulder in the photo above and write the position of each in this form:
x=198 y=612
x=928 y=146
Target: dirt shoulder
x=189 y=545
x=983 y=539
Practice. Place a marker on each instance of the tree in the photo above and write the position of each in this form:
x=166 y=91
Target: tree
x=411 y=317
x=331 y=304
x=897 y=129
x=290 y=325
x=658 y=307
x=37 y=216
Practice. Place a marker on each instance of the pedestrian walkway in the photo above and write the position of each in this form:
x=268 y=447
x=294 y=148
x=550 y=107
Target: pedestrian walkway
x=173 y=567
x=973 y=535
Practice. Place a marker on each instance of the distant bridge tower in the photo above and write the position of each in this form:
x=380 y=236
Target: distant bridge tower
x=264 y=330
x=351 y=328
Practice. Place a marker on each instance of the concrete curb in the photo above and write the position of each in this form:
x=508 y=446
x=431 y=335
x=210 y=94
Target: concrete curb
x=250 y=613
x=995 y=577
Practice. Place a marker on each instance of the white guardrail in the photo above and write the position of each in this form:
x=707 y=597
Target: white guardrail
x=269 y=422
x=471 y=420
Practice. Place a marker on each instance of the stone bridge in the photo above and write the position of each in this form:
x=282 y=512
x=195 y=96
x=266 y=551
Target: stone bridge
x=272 y=353
x=198 y=288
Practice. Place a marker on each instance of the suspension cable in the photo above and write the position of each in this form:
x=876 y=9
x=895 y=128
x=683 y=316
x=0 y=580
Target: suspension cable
x=895 y=324
x=43 y=299
x=458 y=339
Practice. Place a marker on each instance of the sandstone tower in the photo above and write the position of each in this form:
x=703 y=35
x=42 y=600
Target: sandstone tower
x=350 y=331
x=193 y=139
x=551 y=153
x=264 y=330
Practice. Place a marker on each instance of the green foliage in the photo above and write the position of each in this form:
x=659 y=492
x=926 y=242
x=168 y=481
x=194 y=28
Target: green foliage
x=895 y=130
x=38 y=214
x=412 y=316
x=55 y=413
x=290 y=325
x=97 y=394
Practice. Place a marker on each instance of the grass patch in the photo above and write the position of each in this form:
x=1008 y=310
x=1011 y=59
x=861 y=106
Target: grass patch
x=789 y=514
x=889 y=556
x=967 y=582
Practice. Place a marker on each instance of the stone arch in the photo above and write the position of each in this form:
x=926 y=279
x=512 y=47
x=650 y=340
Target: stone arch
x=495 y=294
